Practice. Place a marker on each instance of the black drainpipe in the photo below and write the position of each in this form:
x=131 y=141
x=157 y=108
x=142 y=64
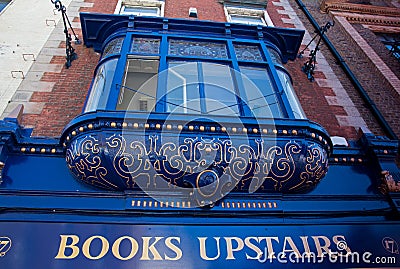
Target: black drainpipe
x=375 y=111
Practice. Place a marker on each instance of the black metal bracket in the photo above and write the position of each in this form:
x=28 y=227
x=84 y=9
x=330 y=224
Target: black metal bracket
x=70 y=51
x=309 y=66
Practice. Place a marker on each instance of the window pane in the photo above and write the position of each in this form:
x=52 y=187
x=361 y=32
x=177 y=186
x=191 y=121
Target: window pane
x=253 y=20
x=261 y=97
x=113 y=47
x=140 y=84
x=101 y=86
x=276 y=58
x=291 y=95
x=219 y=91
x=140 y=11
x=183 y=88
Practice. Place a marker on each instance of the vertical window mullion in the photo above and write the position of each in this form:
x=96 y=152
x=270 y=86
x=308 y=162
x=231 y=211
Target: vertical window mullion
x=119 y=74
x=162 y=76
x=244 y=110
x=280 y=93
x=200 y=76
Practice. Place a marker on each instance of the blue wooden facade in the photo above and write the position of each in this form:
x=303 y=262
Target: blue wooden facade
x=164 y=187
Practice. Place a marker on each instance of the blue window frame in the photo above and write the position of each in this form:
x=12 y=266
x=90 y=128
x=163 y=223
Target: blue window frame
x=169 y=73
x=200 y=88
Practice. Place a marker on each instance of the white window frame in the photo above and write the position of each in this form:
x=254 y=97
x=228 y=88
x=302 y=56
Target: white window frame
x=145 y=4
x=249 y=13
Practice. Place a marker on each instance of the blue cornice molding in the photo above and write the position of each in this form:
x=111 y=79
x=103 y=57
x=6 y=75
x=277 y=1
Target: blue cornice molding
x=96 y=28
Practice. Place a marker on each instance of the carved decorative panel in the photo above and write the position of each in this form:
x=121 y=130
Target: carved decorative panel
x=113 y=47
x=276 y=58
x=248 y=53
x=145 y=45
x=198 y=48
x=210 y=165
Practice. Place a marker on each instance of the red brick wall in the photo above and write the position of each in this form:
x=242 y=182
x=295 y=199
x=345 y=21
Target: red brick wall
x=206 y=9
x=365 y=71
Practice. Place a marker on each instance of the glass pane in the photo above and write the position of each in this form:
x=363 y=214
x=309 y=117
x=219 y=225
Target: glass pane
x=183 y=88
x=113 y=47
x=253 y=20
x=291 y=95
x=101 y=86
x=219 y=90
x=261 y=97
x=140 y=84
x=248 y=53
x=141 y=11
x=276 y=58
x=197 y=48
x=145 y=45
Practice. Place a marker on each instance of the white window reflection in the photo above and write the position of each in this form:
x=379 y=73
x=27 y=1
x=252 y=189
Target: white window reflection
x=101 y=86
x=200 y=87
x=261 y=96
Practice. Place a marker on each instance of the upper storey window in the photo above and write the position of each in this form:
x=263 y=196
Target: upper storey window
x=207 y=76
x=247 y=15
x=176 y=66
x=140 y=7
x=201 y=88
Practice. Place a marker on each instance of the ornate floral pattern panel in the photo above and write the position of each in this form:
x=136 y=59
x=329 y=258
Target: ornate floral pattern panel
x=113 y=47
x=198 y=49
x=125 y=161
x=276 y=58
x=248 y=53
x=145 y=45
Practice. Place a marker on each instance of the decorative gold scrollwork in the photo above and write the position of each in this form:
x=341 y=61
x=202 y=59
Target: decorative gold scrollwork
x=84 y=161
x=122 y=161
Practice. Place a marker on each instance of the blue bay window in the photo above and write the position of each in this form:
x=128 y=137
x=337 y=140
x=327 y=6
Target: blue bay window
x=194 y=104
x=171 y=72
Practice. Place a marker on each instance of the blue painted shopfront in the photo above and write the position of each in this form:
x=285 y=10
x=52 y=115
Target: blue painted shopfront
x=170 y=166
